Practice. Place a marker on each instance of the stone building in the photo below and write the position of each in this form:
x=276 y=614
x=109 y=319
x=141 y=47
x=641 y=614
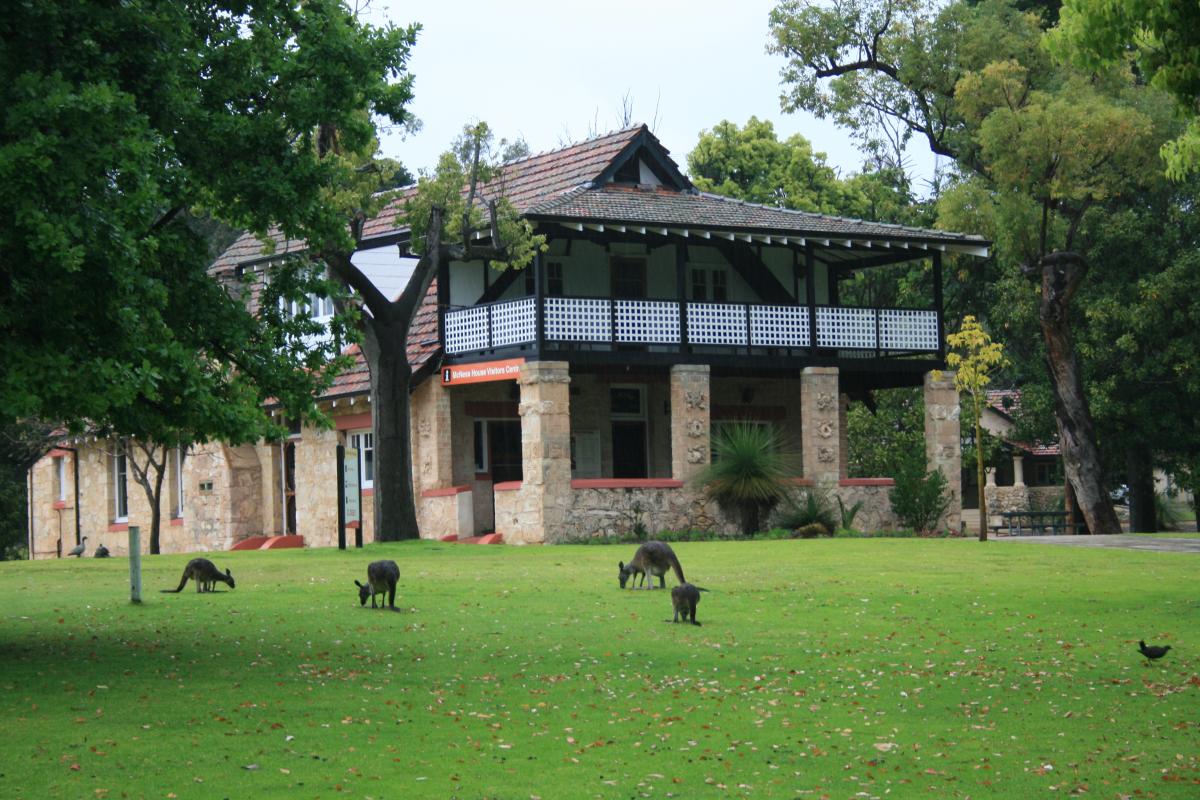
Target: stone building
x=577 y=397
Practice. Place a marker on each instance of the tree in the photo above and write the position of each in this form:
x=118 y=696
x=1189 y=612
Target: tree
x=22 y=443
x=444 y=214
x=1164 y=41
x=975 y=358
x=148 y=464
x=120 y=120
x=1045 y=146
x=748 y=474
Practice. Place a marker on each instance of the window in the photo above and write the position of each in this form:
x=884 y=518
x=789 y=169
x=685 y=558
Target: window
x=554 y=279
x=60 y=479
x=364 y=443
x=699 y=284
x=120 y=487
x=628 y=277
x=720 y=289
x=481 y=459
x=175 y=466
x=628 y=402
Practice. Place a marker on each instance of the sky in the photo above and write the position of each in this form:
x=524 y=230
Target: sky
x=553 y=73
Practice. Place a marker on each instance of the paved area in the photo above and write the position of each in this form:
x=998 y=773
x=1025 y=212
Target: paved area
x=1126 y=541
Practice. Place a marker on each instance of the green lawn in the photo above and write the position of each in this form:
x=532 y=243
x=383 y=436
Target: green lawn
x=856 y=668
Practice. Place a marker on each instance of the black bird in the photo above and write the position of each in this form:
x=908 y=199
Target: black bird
x=101 y=551
x=78 y=549
x=1153 y=651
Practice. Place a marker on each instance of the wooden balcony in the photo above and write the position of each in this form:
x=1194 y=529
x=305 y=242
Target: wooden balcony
x=669 y=331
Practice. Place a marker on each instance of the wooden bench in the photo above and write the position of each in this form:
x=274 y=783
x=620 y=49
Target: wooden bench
x=1037 y=523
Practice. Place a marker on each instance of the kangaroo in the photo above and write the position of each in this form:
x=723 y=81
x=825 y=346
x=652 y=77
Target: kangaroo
x=204 y=573
x=654 y=559
x=685 y=598
x=382 y=576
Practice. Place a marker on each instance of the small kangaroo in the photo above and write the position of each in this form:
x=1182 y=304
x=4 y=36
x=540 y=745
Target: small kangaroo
x=685 y=598
x=382 y=576
x=204 y=573
x=654 y=559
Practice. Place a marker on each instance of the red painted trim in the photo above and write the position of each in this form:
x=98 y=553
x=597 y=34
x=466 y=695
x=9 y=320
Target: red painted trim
x=368 y=492
x=176 y=520
x=348 y=422
x=277 y=542
x=353 y=524
x=57 y=453
x=799 y=481
x=506 y=486
x=450 y=537
x=250 y=543
x=116 y=527
x=866 y=482
x=451 y=490
x=626 y=483
x=60 y=504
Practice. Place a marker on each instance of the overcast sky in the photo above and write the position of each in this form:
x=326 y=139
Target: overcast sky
x=556 y=72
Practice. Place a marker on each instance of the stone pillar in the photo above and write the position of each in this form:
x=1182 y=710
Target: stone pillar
x=545 y=411
x=990 y=472
x=691 y=391
x=1018 y=469
x=844 y=436
x=433 y=460
x=943 y=443
x=819 y=420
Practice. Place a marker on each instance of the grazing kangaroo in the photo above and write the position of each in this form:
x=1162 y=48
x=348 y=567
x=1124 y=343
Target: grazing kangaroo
x=685 y=598
x=382 y=576
x=654 y=559
x=204 y=573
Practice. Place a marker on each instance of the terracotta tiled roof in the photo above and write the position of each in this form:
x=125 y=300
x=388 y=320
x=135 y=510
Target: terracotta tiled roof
x=1008 y=403
x=662 y=206
x=249 y=247
x=539 y=178
x=355 y=380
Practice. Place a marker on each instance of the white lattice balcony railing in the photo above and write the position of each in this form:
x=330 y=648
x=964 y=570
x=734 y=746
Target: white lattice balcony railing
x=602 y=320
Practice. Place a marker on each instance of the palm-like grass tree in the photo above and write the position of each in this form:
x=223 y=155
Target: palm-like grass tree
x=749 y=472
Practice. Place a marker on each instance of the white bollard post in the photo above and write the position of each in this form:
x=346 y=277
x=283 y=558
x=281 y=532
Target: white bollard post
x=135 y=565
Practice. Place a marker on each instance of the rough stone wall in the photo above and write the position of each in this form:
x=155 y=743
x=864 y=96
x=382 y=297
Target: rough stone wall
x=317 y=487
x=943 y=441
x=50 y=524
x=445 y=514
x=691 y=396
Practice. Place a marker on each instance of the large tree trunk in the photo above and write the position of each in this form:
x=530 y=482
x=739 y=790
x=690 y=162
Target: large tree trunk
x=1061 y=273
x=156 y=510
x=395 y=508
x=1139 y=475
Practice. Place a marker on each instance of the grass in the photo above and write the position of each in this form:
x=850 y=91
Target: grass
x=824 y=668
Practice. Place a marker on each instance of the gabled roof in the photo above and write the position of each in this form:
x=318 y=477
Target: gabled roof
x=1007 y=403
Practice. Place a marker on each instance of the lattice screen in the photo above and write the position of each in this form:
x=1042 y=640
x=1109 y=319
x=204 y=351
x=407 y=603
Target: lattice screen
x=467 y=330
x=647 y=321
x=779 y=326
x=846 y=327
x=570 y=319
x=514 y=322
x=716 y=323
x=908 y=329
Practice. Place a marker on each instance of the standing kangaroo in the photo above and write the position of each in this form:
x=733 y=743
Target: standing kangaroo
x=685 y=598
x=382 y=576
x=204 y=573
x=654 y=559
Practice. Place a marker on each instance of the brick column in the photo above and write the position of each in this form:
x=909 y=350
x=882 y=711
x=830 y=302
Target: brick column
x=943 y=442
x=819 y=419
x=844 y=436
x=545 y=451
x=691 y=391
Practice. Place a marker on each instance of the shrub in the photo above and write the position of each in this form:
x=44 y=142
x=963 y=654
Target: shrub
x=749 y=472
x=812 y=531
x=848 y=514
x=813 y=508
x=919 y=498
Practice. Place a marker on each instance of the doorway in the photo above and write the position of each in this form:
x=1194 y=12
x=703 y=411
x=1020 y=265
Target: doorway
x=504 y=449
x=629 y=448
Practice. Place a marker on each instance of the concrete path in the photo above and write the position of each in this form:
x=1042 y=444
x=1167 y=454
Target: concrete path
x=1125 y=541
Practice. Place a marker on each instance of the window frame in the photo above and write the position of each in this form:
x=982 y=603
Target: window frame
x=120 y=486
x=357 y=439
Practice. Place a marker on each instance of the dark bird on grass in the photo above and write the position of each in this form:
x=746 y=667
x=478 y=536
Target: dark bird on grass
x=1153 y=651
x=78 y=549
x=101 y=551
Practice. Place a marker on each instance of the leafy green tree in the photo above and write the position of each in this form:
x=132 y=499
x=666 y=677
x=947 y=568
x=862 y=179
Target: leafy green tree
x=975 y=359
x=125 y=127
x=749 y=472
x=1164 y=40
x=1042 y=145
x=462 y=198
x=919 y=498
